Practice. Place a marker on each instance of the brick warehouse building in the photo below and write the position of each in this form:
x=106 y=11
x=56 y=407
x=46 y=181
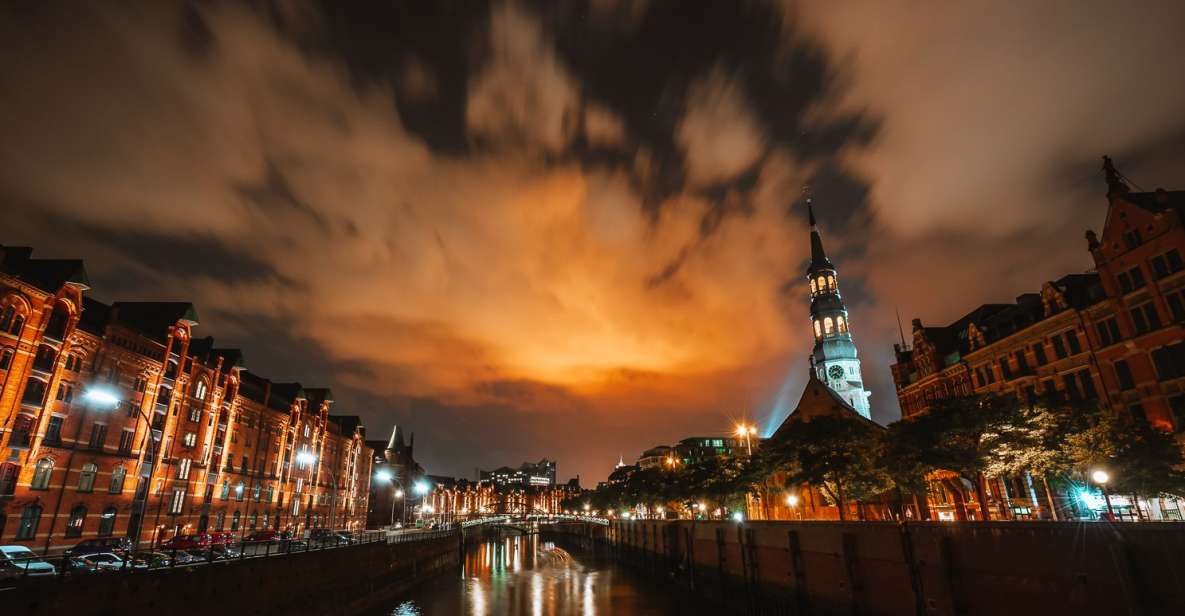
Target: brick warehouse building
x=115 y=421
x=1114 y=336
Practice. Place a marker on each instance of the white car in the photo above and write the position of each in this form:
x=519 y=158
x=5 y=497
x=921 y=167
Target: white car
x=21 y=557
x=104 y=561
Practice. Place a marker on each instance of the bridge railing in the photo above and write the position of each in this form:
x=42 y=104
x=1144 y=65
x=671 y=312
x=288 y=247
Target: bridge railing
x=501 y=519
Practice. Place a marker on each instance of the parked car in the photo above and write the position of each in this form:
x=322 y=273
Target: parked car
x=222 y=537
x=121 y=546
x=23 y=558
x=191 y=557
x=104 y=561
x=150 y=560
x=262 y=536
x=345 y=538
x=187 y=542
x=224 y=552
x=74 y=565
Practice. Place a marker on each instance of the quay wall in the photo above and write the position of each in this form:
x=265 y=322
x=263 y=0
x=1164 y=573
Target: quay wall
x=914 y=569
x=346 y=580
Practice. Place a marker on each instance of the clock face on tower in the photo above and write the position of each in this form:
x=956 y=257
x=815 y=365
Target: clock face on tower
x=836 y=372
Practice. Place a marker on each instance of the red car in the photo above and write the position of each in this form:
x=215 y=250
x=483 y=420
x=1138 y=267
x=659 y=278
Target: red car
x=188 y=542
x=263 y=536
x=222 y=538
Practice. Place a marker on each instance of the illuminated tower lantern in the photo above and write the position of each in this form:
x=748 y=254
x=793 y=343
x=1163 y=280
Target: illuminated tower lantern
x=834 y=357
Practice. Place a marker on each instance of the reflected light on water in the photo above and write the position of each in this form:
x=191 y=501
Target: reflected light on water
x=590 y=600
x=537 y=594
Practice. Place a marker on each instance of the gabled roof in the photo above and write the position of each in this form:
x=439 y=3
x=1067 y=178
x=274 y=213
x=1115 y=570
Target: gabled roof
x=46 y=274
x=253 y=387
x=283 y=395
x=348 y=424
x=818 y=400
x=95 y=317
x=1156 y=201
x=153 y=319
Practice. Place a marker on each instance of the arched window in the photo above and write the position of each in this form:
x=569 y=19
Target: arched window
x=239 y=494
x=234 y=520
x=44 y=359
x=221 y=520
x=821 y=282
x=41 y=474
x=841 y=324
x=34 y=391
x=86 y=480
x=199 y=390
x=117 y=477
x=107 y=522
x=58 y=320
x=6 y=359
x=76 y=522
x=818 y=330
x=6 y=317
x=258 y=490
x=830 y=282
x=225 y=492
x=8 y=476
x=171 y=369
x=30 y=519
x=12 y=317
x=828 y=325
x=814 y=287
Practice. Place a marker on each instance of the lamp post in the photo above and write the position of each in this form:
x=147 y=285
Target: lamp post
x=1101 y=477
x=420 y=488
x=107 y=399
x=389 y=477
x=747 y=432
x=309 y=458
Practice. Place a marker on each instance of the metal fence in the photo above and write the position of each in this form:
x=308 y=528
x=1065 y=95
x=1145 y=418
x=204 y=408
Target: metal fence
x=16 y=567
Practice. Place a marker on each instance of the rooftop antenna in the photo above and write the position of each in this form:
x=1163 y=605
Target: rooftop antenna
x=900 y=330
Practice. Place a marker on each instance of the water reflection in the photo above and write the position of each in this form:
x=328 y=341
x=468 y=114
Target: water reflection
x=530 y=577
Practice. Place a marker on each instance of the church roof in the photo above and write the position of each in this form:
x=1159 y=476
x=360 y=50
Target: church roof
x=819 y=260
x=395 y=443
x=818 y=400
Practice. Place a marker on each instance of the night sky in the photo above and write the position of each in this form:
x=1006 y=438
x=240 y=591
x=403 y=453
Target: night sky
x=573 y=229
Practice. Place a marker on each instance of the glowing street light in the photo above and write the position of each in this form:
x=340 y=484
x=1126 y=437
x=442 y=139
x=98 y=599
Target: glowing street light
x=101 y=397
x=421 y=488
x=738 y=516
x=747 y=431
x=384 y=476
x=306 y=457
x=1101 y=477
x=398 y=493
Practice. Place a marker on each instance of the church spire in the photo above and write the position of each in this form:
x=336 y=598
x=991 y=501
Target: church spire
x=834 y=360
x=1115 y=183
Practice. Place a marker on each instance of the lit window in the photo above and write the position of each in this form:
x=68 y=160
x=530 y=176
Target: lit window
x=818 y=330
x=183 y=468
x=199 y=392
x=821 y=282
x=86 y=479
x=828 y=325
x=814 y=287
x=840 y=324
x=831 y=283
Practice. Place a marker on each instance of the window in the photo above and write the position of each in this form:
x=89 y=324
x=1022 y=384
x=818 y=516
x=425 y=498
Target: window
x=830 y=282
x=1167 y=263
x=1059 y=348
x=1138 y=413
x=107 y=522
x=235 y=519
x=53 y=431
x=1005 y=369
x=1176 y=302
x=11 y=321
x=255 y=494
x=183 y=468
x=239 y=493
x=828 y=327
x=141 y=384
x=34 y=392
x=1072 y=342
x=1022 y=364
x=195 y=413
x=177 y=501
x=76 y=522
x=1108 y=330
x=225 y=489
x=1087 y=383
x=117 y=476
x=1123 y=372
x=126 y=439
x=86 y=479
x=1144 y=318
x=189 y=441
x=1169 y=361
x=98 y=435
x=220 y=520
x=818 y=330
x=840 y=324
x=200 y=390
x=1132 y=238
x=1071 y=384
x=1177 y=406
x=814 y=287
x=1131 y=280
x=30 y=519
x=1049 y=390
x=41 y=474
x=5 y=359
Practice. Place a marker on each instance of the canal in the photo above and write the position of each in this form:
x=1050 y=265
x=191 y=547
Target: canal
x=532 y=576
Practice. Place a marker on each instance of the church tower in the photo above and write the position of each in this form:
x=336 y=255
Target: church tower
x=834 y=358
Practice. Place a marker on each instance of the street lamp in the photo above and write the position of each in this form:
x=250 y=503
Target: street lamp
x=387 y=476
x=792 y=502
x=104 y=398
x=308 y=458
x=1101 y=477
x=747 y=432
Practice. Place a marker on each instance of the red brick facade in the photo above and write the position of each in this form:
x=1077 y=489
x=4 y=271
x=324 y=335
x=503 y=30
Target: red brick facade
x=115 y=419
x=1114 y=336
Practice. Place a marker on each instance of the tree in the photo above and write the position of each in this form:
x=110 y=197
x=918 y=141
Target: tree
x=836 y=454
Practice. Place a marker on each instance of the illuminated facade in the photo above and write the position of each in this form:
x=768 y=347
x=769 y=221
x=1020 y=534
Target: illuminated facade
x=393 y=459
x=452 y=498
x=1112 y=337
x=116 y=421
x=541 y=473
x=834 y=357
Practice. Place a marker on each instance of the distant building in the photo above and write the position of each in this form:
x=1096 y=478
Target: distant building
x=655 y=457
x=696 y=449
x=1111 y=337
x=541 y=473
x=396 y=459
